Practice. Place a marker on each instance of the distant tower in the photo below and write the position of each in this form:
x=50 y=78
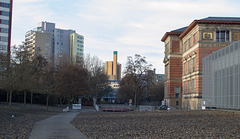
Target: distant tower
x=112 y=68
x=115 y=65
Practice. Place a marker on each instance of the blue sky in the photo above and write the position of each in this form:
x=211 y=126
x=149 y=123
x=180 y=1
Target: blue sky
x=127 y=26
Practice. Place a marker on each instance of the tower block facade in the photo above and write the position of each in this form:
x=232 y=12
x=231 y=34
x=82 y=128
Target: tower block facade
x=112 y=68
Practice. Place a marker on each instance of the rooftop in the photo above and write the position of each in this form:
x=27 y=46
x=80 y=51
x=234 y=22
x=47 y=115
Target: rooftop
x=221 y=18
x=180 y=30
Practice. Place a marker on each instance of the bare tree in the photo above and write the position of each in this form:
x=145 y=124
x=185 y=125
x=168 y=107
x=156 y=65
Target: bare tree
x=71 y=81
x=97 y=80
x=156 y=93
x=7 y=76
x=22 y=64
x=135 y=72
x=38 y=66
x=47 y=80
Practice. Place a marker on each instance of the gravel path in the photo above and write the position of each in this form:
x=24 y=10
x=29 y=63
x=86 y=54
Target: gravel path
x=24 y=119
x=163 y=124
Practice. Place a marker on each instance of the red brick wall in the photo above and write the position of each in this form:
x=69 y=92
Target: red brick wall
x=175 y=68
x=201 y=53
x=175 y=46
x=172 y=87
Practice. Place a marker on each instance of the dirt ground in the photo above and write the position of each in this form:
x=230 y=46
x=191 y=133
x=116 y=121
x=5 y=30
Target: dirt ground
x=161 y=124
x=17 y=121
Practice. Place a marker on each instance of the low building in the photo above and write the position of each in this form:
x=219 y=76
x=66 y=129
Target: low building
x=221 y=78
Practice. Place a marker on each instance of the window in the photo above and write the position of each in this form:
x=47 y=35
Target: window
x=4 y=39
x=189 y=43
x=185 y=87
x=47 y=36
x=193 y=86
x=47 y=44
x=78 y=49
x=6 y=5
x=6 y=22
x=222 y=36
x=79 y=45
x=4 y=30
x=184 y=68
x=189 y=66
x=194 y=63
x=189 y=84
x=194 y=39
x=177 y=91
x=177 y=103
x=4 y=13
x=79 y=41
x=47 y=40
x=3 y=47
x=79 y=37
x=185 y=47
x=185 y=65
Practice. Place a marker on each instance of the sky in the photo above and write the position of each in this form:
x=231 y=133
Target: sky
x=127 y=26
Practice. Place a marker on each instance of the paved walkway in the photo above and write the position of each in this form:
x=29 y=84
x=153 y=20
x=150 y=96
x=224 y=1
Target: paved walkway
x=57 y=127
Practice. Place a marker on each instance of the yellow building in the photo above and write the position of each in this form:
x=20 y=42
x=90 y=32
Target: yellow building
x=112 y=68
x=76 y=47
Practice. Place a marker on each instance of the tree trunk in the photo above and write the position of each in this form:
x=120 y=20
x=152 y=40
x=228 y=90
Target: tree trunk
x=25 y=98
x=10 y=98
x=31 y=98
x=7 y=96
x=47 y=101
x=94 y=101
x=135 y=99
x=60 y=100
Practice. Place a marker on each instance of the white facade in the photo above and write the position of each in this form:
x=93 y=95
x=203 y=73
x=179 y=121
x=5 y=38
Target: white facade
x=221 y=78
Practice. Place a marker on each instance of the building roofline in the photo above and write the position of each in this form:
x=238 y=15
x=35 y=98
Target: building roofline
x=195 y=22
x=168 y=34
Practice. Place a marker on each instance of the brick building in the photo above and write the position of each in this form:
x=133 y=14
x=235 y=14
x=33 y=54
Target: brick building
x=184 y=51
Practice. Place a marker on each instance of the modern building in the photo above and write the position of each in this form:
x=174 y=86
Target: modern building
x=156 y=77
x=184 y=51
x=76 y=46
x=58 y=45
x=5 y=25
x=113 y=68
x=221 y=78
x=112 y=96
x=38 y=43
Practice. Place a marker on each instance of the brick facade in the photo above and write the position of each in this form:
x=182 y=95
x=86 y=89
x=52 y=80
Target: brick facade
x=184 y=50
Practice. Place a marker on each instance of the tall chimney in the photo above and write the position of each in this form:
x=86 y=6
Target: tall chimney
x=115 y=65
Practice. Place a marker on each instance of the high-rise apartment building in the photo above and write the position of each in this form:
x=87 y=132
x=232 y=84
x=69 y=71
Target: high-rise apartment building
x=113 y=68
x=76 y=46
x=38 y=43
x=5 y=25
x=184 y=51
x=55 y=44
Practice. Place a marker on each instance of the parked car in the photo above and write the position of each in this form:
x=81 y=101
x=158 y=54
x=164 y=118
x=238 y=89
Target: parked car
x=164 y=107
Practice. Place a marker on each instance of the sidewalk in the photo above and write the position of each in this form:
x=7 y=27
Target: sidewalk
x=57 y=127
